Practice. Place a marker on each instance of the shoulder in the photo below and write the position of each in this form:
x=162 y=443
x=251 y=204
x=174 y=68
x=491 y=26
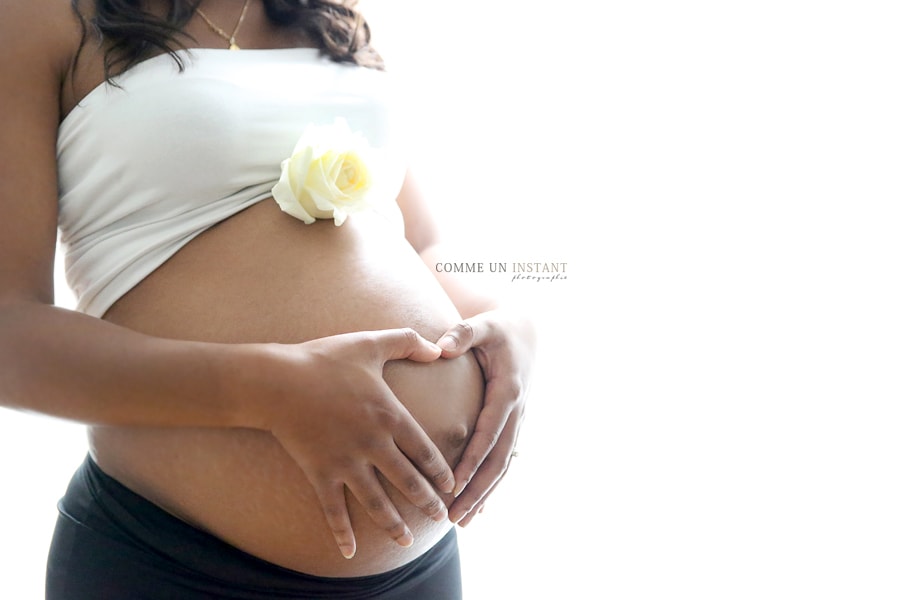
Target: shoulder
x=42 y=40
x=39 y=32
x=56 y=19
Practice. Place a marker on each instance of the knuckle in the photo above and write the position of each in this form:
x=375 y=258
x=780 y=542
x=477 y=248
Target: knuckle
x=410 y=335
x=386 y=419
x=441 y=477
x=375 y=503
x=339 y=464
x=396 y=529
x=412 y=486
x=427 y=455
x=367 y=338
x=432 y=506
x=334 y=513
x=515 y=389
x=489 y=439
x=341 y=531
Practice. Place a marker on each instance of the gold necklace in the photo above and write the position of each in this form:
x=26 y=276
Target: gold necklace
x=232 y=45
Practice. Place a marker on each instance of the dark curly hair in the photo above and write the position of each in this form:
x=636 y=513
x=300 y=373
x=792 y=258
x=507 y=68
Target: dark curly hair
x=132 y=34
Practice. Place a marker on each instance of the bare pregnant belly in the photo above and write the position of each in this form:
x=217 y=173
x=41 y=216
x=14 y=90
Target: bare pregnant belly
x=263 y=276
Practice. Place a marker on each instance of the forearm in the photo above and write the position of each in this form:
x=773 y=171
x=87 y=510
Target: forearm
x=468 y=299
x=68 y=365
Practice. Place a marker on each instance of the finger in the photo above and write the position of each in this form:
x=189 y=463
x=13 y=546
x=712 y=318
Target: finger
x=475 y=494
x=489 y=473
x=486 y=480
x=410 y=482
x=371 y=495
x=422 y=452
x=467 y=505
x=490 y=426
x=460 y=338
x=407 y=343
x=464 y=522
x=334 y=505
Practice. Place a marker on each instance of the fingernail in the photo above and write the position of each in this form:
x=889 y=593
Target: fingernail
x=448 y=486
x=406 y=540
x=348 y=551
x=460 y=486
x=441 y=514
x=448 y=342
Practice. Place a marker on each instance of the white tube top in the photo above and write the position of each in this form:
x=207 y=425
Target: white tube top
x=151 y=162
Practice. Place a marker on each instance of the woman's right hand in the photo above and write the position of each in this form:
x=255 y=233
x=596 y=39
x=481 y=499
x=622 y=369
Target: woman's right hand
x=342 y=424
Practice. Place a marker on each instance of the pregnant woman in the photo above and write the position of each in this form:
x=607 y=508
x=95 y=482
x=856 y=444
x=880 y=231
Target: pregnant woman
x=283 y=399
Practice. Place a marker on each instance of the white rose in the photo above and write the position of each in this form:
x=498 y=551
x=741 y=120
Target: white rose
x=327 y=175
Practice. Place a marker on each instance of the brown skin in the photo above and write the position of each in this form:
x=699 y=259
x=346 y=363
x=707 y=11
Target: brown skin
x=241 y=413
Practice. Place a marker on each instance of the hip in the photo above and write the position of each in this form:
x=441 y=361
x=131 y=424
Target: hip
x=111 y=543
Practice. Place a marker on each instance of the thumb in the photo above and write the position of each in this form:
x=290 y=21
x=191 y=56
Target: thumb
x=407 y=343
x=457 y=340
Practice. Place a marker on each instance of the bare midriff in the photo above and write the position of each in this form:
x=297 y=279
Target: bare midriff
x=262 y=276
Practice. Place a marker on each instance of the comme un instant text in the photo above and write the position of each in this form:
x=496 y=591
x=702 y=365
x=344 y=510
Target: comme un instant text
x=501 y=267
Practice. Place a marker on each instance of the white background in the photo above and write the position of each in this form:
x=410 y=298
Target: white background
x=713 y=414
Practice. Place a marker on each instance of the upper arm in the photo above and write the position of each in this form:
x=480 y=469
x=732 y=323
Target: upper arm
x=37 y=36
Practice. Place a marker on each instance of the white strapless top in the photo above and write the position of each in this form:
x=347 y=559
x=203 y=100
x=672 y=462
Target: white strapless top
x=150 y=161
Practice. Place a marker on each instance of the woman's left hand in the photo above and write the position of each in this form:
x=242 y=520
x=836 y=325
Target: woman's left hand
x=504 y=345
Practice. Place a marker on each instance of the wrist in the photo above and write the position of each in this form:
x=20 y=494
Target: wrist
x=259 y=380
x=242 y=383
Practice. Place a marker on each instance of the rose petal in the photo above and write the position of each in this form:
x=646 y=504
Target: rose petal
x=284 y=191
